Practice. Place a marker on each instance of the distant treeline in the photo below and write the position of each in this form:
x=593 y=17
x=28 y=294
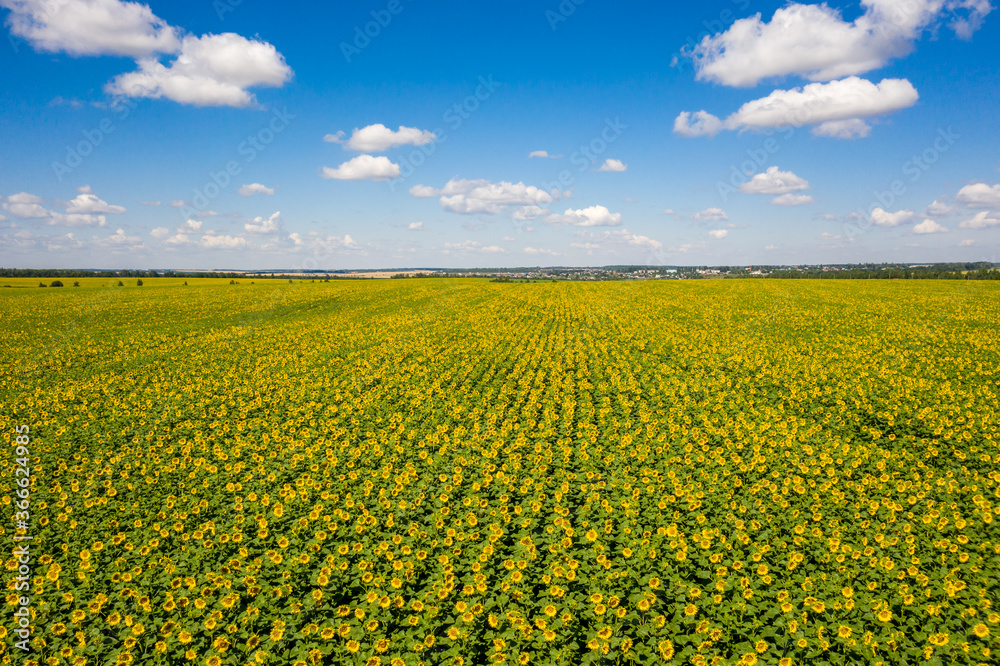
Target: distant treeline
x=890 y=274
x=61 y=273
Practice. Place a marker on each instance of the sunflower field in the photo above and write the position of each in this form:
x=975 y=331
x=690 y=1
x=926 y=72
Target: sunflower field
x=407 y=472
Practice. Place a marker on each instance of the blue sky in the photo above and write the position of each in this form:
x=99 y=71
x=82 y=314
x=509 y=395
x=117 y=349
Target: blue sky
x=223 y=135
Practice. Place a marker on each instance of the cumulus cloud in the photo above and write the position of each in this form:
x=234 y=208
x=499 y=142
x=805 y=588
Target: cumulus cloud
x=88 y=202
x=120 y=242
x=160 y=232
x=774 y=181
x=415 y=226
x=376 y=138
x=815 y=104
x=222 y=242
x=190 y=227
x=593 y=216
x=613 y=165
x=542 y=153
x=718 y=233
x=884 y=218
x=626 y=237
x=470 y=197
x=711 y=215
x=529 y=213
x=76 y=220
x=853 y=128
x=471 y=246
x=937 y=209
x=254 y=188
x=535 y=250
x=967 y=243
x=815 y=41
x=792 y=200
x=364 y=167
x=86 y=210
x=150 y=203
x=262 y=227
x=91 y=27
x=983 y=220
x=28 y=206
x=211 y=70
x=929 y=226
x=979 y=195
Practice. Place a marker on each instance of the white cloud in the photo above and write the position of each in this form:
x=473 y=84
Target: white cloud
x=91 y=27
x=470 y=197
x=535 y=250
x=613 y=165
x=315 y=241
x=792 y=200
x=828 y=236
x=160 y=232
x=150 y=203
x=471 y=246
x=884 y=218
x=254 y=188
x=529 y=213
x=223 y=242
x=593 y=216
x=376 y=138
x=179 y=240
x=415 y=226
x=28 y=206
x=929 y=226
x=815 y=104
x=979 y=195
x=699 y=123
x=211 y=70
x=937 y=209
x=852 y=128
x=190 y=227
x=815 y=42
x=967 y=243
x=121 y=242
x=585 y=246
x=364 y=167
x=718 y=233
x=179 y=203
x=711 y=215
x=774 y=181
x=542 y=153
x=670 y=211
x=628 y=238
x=263 y=227
x=423 y=191
x=983 y=220
x=76 y=220
x=87 y=202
